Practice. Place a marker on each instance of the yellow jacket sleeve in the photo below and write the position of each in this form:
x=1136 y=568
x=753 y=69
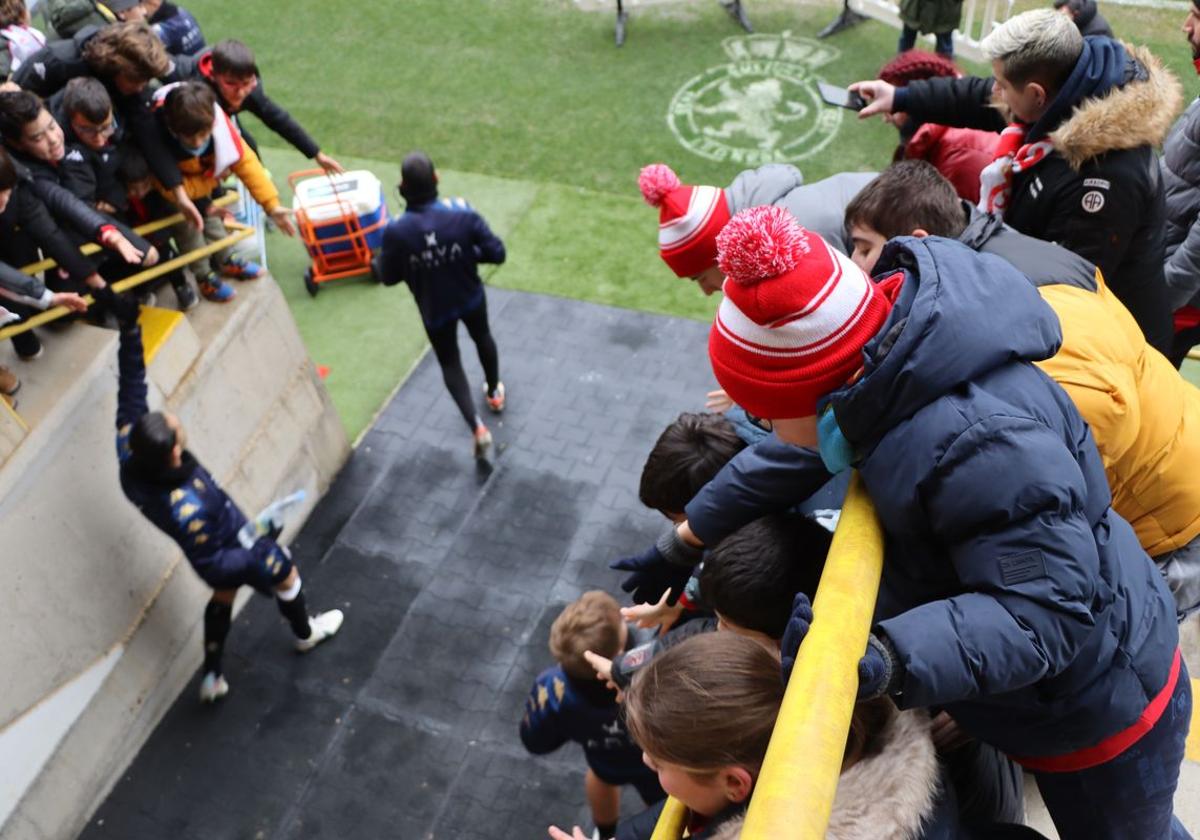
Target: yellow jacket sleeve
x=251 y=172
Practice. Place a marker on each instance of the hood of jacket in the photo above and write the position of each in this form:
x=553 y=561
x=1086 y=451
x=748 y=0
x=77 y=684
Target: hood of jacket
x=1044 y=263
x=765 y=185
x=1137 y=114
x=888 y=796
x=958 y=315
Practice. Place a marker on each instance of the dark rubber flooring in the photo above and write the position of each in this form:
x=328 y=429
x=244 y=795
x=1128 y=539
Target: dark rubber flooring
x=405 y=724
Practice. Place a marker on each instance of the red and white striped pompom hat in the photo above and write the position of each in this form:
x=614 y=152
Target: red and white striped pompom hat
x=689 y=219
x=795 y=316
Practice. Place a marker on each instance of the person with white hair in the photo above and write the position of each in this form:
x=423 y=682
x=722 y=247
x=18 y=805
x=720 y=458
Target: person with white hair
x=1074 y=161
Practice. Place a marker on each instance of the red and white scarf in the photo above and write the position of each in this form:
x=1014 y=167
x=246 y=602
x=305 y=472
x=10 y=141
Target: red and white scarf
x=1012 y=155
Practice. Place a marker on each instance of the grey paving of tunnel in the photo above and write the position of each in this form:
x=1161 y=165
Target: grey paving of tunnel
x=405 y=725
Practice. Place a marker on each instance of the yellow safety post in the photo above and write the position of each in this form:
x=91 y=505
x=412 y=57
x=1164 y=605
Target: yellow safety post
x=795 y=790
x=240 y=232
x=671 y=821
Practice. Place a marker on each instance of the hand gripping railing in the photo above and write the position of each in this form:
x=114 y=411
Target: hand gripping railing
x=794 y=794
x=239 y=232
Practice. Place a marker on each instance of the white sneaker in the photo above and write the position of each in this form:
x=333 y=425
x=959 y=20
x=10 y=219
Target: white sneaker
x=320 y=628
x=212 y=688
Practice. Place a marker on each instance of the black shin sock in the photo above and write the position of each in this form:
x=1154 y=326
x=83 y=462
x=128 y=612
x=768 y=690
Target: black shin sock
x=217 y=617
x=296 y=613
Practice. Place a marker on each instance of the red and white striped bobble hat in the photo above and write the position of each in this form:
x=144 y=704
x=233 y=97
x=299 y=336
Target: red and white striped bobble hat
x=795 y=316
x=689 y=219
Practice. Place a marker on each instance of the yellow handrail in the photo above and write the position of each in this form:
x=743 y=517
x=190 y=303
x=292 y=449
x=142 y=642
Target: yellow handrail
x=794 y=794
x=89 y=248
x=240 y=232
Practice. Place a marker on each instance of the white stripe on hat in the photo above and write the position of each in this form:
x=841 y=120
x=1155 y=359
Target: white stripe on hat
x=821 y=323
x=680 y=231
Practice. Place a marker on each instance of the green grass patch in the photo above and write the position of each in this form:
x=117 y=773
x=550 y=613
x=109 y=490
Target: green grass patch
x=535 y=117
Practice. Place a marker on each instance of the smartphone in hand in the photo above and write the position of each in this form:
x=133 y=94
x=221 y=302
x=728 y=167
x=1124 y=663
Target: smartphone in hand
x=841 y=97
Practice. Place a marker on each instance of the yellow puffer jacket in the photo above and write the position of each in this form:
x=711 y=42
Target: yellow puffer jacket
x=249 y=170
x=1144 y=416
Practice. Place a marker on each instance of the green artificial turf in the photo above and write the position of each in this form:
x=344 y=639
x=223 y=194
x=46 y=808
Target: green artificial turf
x=534 y=116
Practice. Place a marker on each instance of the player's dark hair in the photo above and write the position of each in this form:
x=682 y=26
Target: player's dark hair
x=87 y=97
x=418 y=178
x=751 y=576
x=685 y=457
x=151 y=442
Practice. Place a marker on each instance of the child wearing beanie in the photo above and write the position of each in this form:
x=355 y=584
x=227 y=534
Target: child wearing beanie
x=1013 y=596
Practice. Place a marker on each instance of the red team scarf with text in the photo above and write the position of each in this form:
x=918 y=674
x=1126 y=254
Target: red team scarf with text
x=1012 y=155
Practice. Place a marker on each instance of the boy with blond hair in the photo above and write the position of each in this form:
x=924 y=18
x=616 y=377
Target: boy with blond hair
x=568 y=703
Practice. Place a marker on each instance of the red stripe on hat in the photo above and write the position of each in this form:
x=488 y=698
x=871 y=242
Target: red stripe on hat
x=698 y=229
x=749 y=346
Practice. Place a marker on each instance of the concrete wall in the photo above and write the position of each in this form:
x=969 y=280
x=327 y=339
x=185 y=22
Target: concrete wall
x=100 y=614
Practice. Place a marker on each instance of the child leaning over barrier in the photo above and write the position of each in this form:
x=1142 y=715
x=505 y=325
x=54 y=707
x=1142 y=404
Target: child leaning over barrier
x=207 y=146
x=1013 y=596
x=568 y=704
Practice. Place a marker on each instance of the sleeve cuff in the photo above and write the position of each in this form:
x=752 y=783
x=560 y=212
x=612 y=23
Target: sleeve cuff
x=900 y=100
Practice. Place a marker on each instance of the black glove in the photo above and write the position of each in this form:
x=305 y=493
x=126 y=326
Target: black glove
x=879 y=672
x=666 y=565
x=123 y=307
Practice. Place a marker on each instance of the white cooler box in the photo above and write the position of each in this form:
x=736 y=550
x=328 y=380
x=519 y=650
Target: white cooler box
x=326 y=201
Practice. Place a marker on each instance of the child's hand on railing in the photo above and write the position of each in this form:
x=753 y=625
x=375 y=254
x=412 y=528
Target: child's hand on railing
x=116 y=241
x=69 y=300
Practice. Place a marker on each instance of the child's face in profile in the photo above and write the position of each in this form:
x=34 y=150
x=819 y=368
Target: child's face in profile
x=704 y=793
x=196 y=143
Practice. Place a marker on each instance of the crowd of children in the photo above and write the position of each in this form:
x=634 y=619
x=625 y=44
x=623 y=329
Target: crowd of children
x=983 y=334
x=120 y=115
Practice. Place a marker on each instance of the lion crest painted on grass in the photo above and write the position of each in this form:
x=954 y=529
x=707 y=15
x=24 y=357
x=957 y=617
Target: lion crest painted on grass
x=761 y=107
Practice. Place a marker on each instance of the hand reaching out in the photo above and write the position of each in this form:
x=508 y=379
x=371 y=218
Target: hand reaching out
x=718 y=401
x=603 y=668
x=557 y=833
x=661 y=615
x=880 y=97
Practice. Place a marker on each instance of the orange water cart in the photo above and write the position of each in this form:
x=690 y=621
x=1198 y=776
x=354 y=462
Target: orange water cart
x=339 y=237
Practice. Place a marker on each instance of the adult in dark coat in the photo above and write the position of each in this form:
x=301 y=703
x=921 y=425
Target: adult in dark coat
x=1083 y=172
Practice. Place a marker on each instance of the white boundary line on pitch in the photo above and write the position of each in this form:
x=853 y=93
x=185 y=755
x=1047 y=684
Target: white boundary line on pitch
x=1177 y=5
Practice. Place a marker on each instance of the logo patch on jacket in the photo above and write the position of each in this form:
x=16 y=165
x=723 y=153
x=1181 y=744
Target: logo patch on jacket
x=1023 y=567
x=1093 y=201
x=1097 y=183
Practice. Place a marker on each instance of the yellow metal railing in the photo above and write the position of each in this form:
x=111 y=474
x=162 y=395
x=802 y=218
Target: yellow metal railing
x=239 y=232
x=794 y=794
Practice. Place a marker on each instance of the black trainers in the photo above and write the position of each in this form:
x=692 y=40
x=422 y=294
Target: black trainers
x=184 y=293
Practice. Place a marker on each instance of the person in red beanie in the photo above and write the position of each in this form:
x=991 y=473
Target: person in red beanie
x=960 y=154
x=1013 y=597
x=690 y=217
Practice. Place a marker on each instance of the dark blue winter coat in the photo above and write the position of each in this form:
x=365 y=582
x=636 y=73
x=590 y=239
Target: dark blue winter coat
x=436 y=249
x=1014 y=596
x=560 y=709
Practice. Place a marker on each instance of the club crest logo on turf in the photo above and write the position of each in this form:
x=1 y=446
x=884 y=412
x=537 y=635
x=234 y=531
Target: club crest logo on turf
x=761 y=107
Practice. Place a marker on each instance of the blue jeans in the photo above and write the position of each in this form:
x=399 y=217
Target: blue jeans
x=944 y=42
x=1132 y=796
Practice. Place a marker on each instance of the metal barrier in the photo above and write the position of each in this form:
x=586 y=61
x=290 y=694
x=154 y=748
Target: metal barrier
x=978 y=19
x=239 y=233
x=794 y=794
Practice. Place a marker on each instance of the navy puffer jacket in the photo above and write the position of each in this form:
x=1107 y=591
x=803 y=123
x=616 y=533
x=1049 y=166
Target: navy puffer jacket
x=1014 y=595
